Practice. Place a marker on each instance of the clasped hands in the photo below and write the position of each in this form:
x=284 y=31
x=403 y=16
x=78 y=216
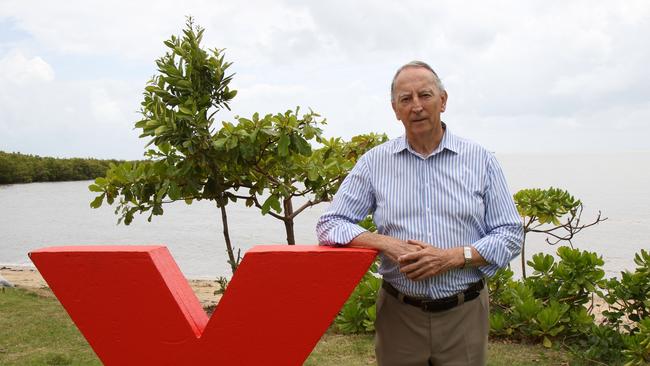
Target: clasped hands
x=419 y=260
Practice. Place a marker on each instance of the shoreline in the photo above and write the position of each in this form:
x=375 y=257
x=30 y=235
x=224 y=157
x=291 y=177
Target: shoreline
x=28 y=277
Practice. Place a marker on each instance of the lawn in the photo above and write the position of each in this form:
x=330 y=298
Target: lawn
x=36 y=330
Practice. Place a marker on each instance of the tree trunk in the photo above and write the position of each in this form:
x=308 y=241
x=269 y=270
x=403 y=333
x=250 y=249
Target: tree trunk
x=226 y=236
x=523 y=258
x=288 y=221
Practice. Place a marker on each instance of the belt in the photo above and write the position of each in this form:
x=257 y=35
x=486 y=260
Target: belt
x=436 y=305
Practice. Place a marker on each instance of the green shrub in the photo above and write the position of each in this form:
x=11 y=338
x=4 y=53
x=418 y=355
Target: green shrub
x=637 y=346
x=551 y=302
x=629 y=297
x=602 y=343
x=359 y=313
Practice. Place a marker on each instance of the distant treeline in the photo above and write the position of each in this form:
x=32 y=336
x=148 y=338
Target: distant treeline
x=21 y=168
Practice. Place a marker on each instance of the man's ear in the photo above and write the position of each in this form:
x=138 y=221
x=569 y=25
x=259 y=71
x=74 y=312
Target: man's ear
x=443 y=97
x=392 y=104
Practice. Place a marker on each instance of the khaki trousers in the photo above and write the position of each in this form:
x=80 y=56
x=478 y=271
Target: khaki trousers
x=408 y=336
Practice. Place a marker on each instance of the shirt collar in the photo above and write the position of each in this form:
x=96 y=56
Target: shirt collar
x=449 y=141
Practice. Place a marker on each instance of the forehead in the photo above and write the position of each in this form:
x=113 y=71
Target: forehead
x=414 y=78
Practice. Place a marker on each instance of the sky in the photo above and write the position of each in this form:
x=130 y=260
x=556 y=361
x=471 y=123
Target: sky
x=522 y=76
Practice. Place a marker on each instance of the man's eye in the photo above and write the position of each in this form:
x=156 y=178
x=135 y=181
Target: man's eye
x=405 y=99
x=426 y=95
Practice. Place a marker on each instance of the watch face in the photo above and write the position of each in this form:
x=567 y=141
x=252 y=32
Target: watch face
x=468 y=252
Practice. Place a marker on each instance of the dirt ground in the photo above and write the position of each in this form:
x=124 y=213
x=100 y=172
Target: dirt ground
x=29 y=278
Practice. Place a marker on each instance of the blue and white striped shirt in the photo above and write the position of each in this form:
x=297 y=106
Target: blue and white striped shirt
x=456 y=196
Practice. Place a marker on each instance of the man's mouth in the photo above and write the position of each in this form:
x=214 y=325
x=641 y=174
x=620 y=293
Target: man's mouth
x=419 y=120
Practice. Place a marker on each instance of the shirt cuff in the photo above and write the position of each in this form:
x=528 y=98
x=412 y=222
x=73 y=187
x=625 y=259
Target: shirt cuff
x=343 y=234
x=494 y=253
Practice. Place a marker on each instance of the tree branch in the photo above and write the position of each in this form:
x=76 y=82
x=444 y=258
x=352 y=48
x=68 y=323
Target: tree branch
x=303 y=207
x=257 y=204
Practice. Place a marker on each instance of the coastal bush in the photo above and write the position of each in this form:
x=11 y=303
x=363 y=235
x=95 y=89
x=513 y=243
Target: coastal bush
x=629 y=297
x=359 y=312
x=552 y=212
x=555 y=303
x=269 y=162
x=549 y=304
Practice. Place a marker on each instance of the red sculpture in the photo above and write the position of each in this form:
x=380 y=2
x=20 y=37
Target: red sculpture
x=134 y=306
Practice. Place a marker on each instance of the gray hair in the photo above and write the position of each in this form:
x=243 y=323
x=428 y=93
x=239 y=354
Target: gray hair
x=415 y=63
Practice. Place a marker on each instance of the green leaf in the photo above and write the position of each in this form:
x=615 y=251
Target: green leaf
x=101 y=181
x=160 y=130
x=220 y=143
x=301 y=145
x=283 y=145
x=547 y=342
x=97 y=202
x=95 y=188
x=271 y=202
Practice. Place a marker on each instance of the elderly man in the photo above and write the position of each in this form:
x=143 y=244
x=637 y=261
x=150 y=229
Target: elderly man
x=445 y=220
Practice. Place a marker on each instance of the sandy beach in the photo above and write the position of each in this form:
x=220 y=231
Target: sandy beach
x=29 y=278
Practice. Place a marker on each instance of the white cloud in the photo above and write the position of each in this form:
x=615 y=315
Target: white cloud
x=521 y=75
x=17 y=69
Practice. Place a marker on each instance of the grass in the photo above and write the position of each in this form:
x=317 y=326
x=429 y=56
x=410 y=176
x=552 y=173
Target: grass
x=358 y=350
x=36 y=330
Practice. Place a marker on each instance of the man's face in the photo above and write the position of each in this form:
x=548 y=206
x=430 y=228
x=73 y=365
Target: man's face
x=417 y=101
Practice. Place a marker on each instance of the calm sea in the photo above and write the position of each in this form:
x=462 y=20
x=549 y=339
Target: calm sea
x=47 y=214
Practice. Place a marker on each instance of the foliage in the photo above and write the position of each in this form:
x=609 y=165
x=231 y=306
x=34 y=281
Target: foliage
x=359 y=312
x=555 y=304
x=637 y=346
x=177 y=115
x=223 y=284
x=551 y=302
x=629 y=297
x=542 y=211
x=21 y=168
x=602 y=343
x=271 y=158
x=266 y=161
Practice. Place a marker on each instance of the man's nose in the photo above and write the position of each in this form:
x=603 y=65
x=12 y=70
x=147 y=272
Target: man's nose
x=417 y=106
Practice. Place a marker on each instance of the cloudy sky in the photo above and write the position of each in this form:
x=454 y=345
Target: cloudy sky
x=522 y=77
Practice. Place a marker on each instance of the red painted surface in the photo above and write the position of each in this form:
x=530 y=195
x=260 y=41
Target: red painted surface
x=134 y=306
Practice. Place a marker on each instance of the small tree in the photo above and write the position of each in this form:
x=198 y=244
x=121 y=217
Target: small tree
x=543 y=211
x=271 y=156
x=189 y=160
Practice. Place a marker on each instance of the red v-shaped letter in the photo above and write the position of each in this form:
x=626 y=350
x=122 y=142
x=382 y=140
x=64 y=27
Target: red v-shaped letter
x=134 y=306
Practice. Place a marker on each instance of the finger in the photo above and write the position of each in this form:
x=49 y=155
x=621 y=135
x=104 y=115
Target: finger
x=408 y=268
x=421 y=244
x=410 y=257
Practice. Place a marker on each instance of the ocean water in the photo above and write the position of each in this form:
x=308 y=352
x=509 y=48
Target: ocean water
x=51 y=214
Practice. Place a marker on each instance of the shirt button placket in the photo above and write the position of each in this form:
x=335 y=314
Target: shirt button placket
x=429 y=189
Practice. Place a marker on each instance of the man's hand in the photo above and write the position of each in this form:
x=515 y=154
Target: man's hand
x=429 y=261
x=399 y=249
x=393 y=248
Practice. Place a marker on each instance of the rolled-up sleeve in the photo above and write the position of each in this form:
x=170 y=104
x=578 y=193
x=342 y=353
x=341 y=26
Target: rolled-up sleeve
x=353 y=201
x=505 y=232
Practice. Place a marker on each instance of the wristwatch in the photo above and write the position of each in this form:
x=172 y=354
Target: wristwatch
x=467 y=253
